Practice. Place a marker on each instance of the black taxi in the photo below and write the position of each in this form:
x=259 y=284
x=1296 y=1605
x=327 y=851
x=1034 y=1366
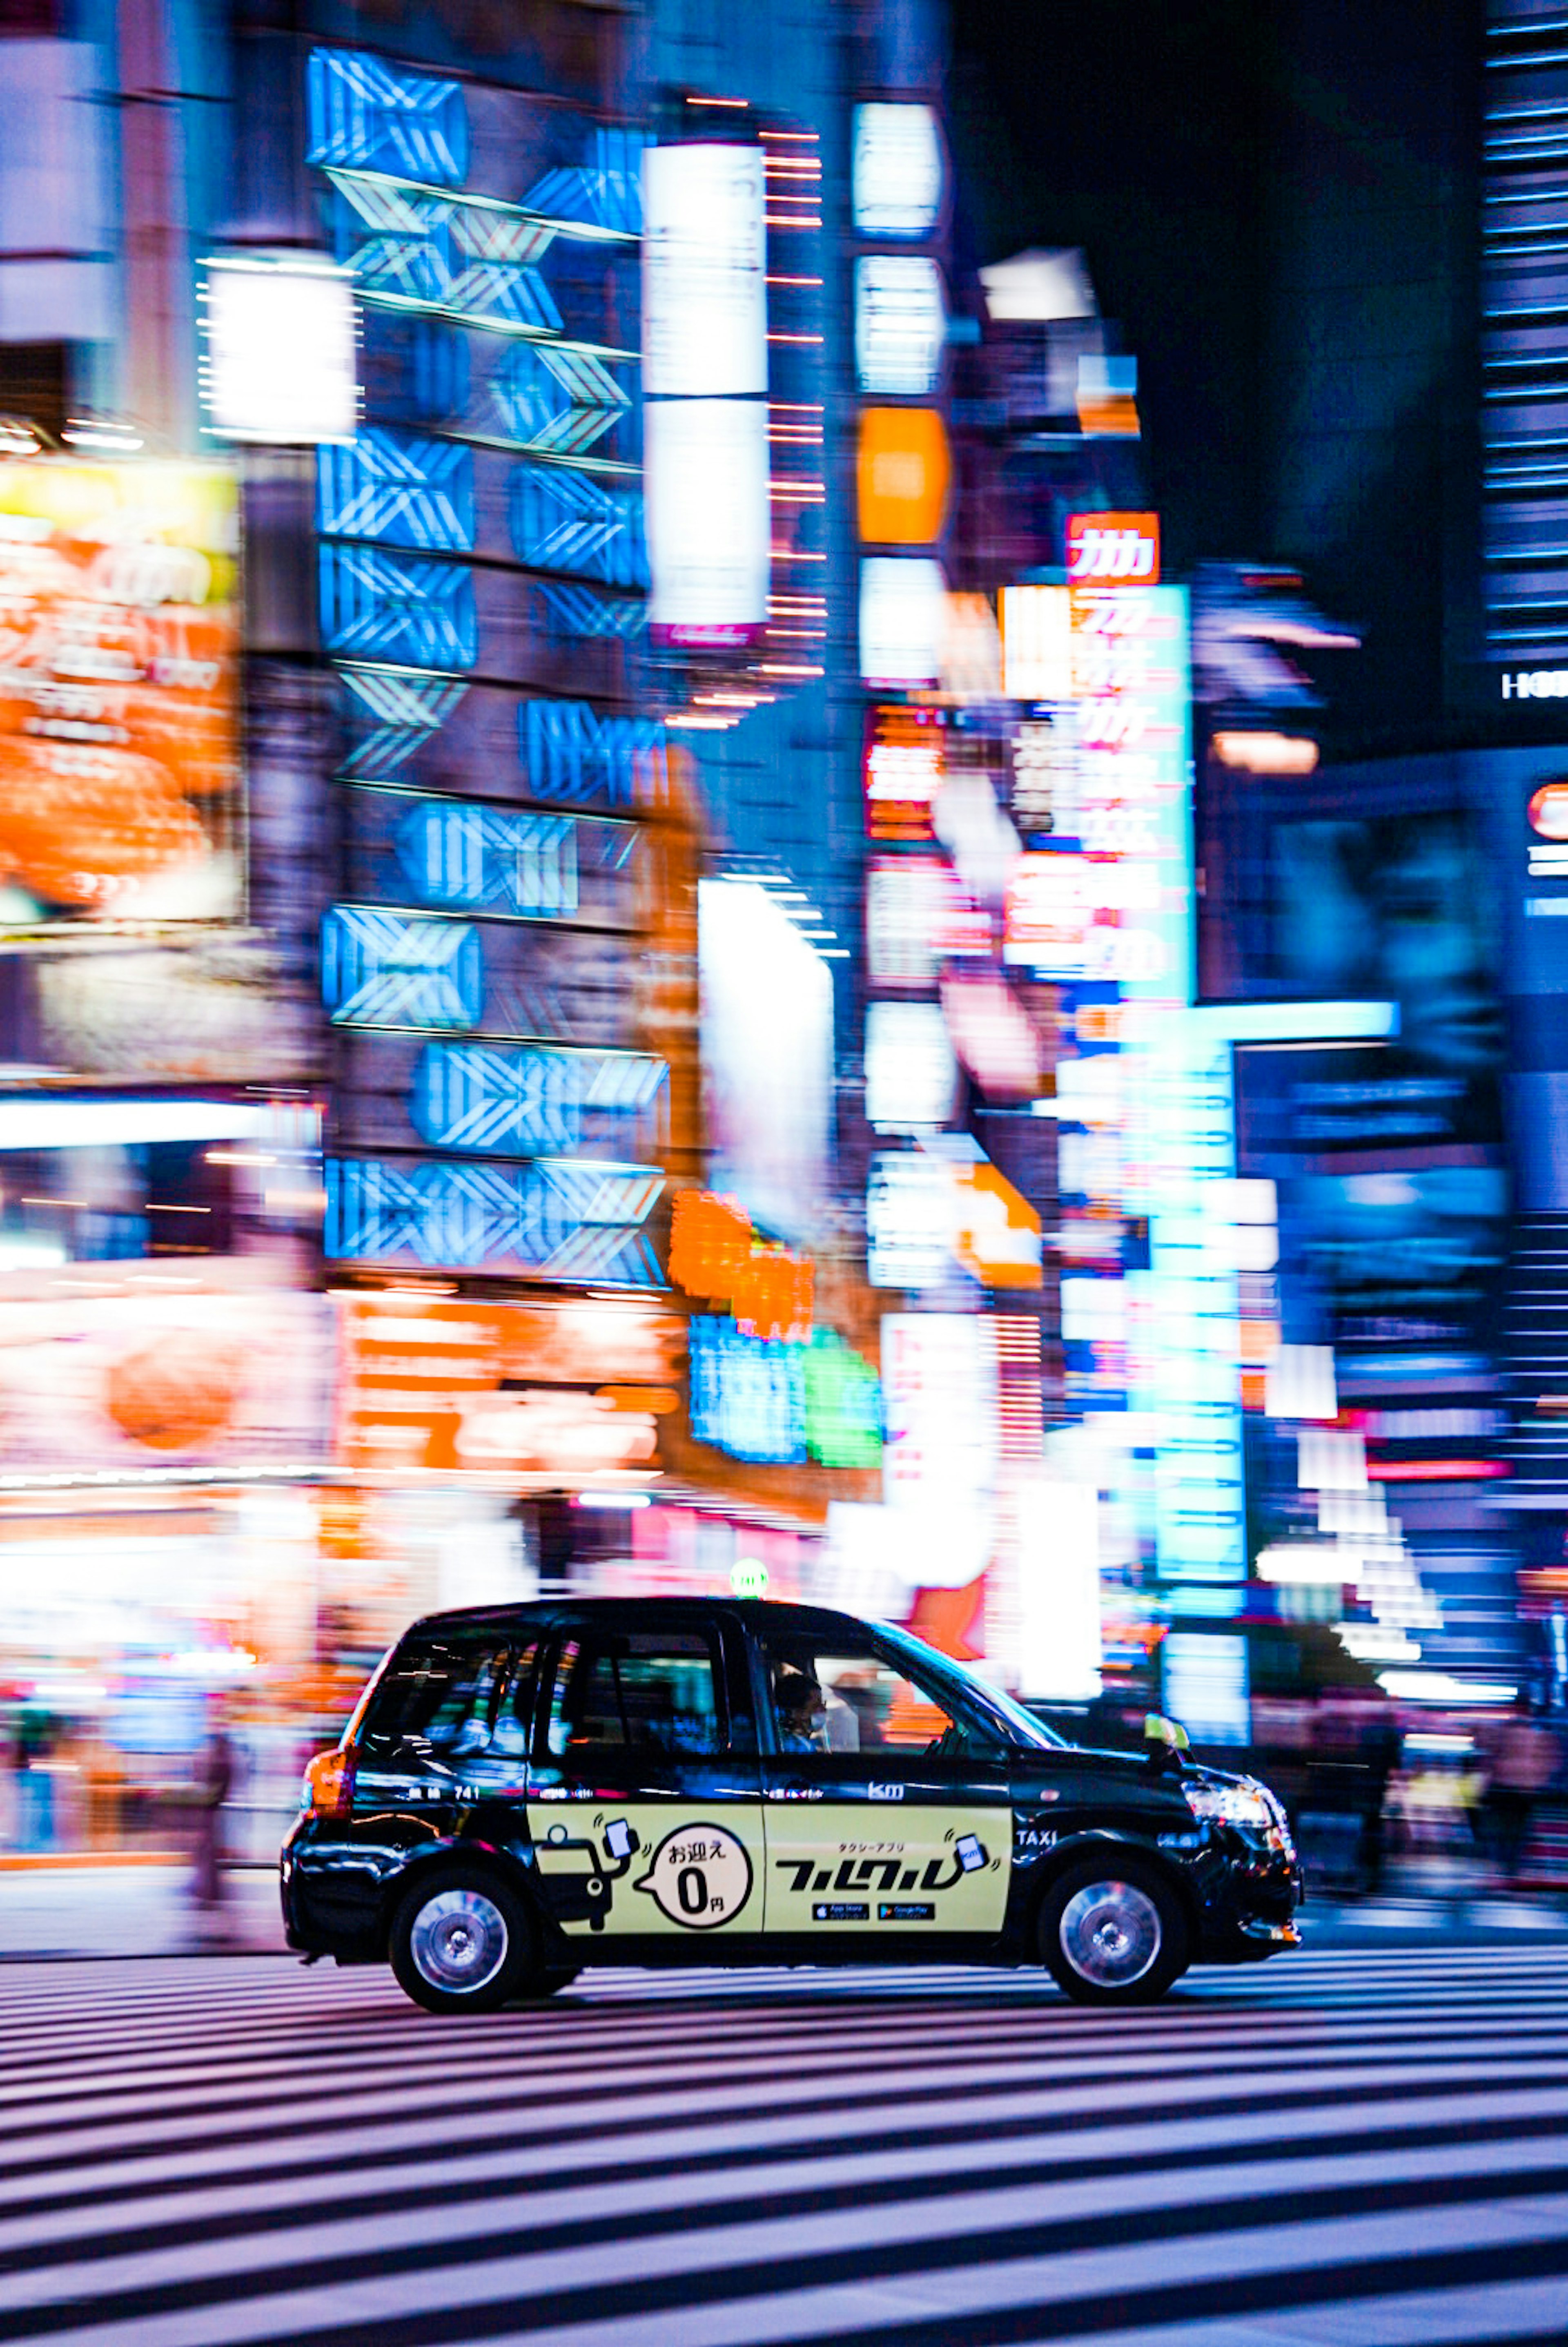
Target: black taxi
x=523 y=1791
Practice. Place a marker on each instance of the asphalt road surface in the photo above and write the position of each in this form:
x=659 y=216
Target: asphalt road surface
x=1361 y=2147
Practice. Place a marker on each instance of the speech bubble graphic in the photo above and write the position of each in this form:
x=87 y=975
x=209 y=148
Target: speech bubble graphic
x=699 y=1876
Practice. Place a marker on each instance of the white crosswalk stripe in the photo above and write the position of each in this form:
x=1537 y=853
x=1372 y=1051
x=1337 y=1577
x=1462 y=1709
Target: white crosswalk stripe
x=1339 y=2149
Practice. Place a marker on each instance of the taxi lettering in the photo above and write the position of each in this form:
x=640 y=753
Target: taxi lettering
x=968 y=1855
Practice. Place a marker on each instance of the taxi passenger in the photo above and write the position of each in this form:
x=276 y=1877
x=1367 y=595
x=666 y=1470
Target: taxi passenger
x=800 y=1712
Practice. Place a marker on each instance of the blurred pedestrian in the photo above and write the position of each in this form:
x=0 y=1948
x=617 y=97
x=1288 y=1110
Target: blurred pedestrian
x=1379 y=1743
x=1523 y=1766
x=38 y=1733
x=214 y=1778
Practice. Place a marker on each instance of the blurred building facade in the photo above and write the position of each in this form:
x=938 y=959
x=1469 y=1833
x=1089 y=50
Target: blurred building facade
x=610 y=979
x=434 y=791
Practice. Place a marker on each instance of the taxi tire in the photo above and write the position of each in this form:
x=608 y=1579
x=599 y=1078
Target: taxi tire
x=1123 y=1870
x=518 y=1970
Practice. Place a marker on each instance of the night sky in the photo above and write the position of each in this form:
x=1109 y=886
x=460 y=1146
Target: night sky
x=1279 y=207
x=1131 y=127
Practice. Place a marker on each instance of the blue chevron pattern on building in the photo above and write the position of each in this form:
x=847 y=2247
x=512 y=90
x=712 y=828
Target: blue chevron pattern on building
x=438 y=254
x=605 y=191
x=554 y=401
x=562 y=521
x=377 y=606
x=492 y=1102
x=404 y=713
x=553 y=1221
x=382 y=970
x=573 y=610
x=367 y=115
x=570 y=753
x=478 y=859
x=399 y=489
x=417 y=370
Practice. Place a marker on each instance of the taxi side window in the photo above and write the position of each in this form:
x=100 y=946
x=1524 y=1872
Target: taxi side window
x=829 y=1701
x=456 y=1697
x=654 y=1692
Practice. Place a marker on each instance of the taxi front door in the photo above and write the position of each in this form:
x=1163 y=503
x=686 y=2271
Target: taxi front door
x=644 y=1794
x=884 y=1815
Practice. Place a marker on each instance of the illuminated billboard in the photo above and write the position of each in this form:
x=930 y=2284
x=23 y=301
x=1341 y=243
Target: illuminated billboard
x=766 y=1022
x=706 y=488
x=1036 y=645
x=901 y=324
x=903 y=620
x=538 y=1390
x=782 y=1402
x=120 y=762
x=897 y=172
x=1393 y=1173
x=126 y=1374
x=705 y=301
x=904 y=772
x=911 y=1074
x=280 y=358
x=918 y=915
x=1113 y=549
x=940 y=1393
x=903 y=474
x=705 y=375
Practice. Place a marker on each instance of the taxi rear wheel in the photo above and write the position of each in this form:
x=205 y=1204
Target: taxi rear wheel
x=461 y=1942
x=1112 y=1931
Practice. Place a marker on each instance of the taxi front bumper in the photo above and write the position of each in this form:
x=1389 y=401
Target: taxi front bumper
x=1250 y=1902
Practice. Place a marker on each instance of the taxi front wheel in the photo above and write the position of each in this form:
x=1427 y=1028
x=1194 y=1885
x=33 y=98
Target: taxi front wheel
x=1112 y=1931
x=461 y=1942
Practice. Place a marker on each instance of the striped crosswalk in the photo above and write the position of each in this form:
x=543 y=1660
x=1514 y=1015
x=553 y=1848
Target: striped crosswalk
x=1366 y=2149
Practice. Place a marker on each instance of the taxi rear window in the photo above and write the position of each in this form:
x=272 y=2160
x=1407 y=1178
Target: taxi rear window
x=456 y=1693
x=656 y=1692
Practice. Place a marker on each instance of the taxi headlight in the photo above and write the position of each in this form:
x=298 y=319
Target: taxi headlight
x=1231 y=1805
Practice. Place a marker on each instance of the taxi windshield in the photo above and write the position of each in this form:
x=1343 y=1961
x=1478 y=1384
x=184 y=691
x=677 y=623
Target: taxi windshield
x=1013 y=1723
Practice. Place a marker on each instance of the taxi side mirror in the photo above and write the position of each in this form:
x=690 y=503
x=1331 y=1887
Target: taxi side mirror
x=1164 y=1740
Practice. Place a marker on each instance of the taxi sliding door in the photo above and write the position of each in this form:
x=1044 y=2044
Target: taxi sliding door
x=885 y=1814
x=644 y=1794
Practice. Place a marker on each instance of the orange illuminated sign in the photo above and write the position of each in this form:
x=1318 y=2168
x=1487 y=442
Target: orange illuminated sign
x=903 y=772
x=997 y=1234
x=119 y=739
x=1113 y=549
x=714 y=1253
x=1549 y=811
x=903 y=476
x=428 y=1384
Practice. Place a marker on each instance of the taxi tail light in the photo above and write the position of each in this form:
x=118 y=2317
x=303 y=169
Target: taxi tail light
x=330 y=1785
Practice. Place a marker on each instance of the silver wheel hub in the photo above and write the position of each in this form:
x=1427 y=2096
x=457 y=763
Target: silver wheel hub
x=458 y=1940
x=1111 y=1934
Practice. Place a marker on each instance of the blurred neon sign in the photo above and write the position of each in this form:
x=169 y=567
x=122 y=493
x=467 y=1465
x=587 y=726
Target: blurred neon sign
x=780 y=1404
x=1106 y=548
x=1549 y=811
x=896 y=170
x=714 y=1253
x=903 y=772
x=901 y=324
x=903 y=620
x=705 y=373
